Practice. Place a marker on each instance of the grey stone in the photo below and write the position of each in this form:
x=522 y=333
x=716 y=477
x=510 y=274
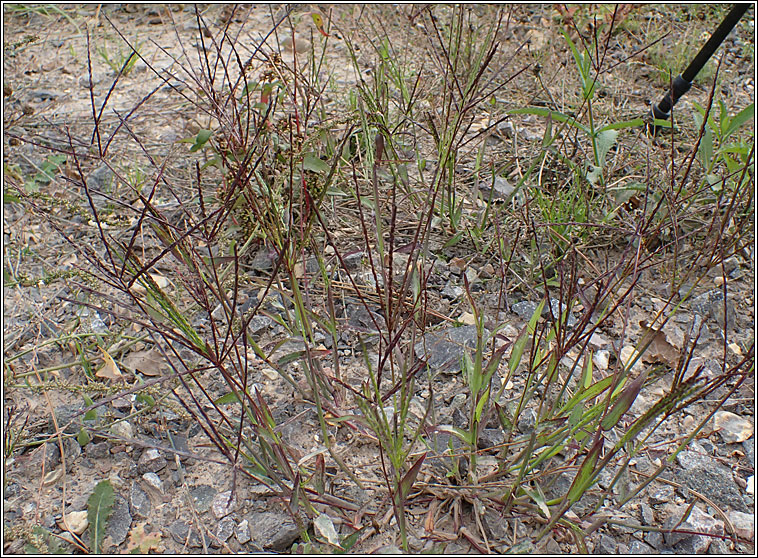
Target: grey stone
x=100 y=179
x=606 y=545
x=647 y=515
x=68 y=421
x=361 y=319
x=96 y=451
x=711 y=304
x=471 y=275
x=223 y=504
x=72 y=449
x=139 y=503
x=12 y=490
x=714 y=481
x=654 y=539
x=151 y=461
x=697 y=522
x=273 y=530
x=43 y=95
x=719 y=547
x=490 y=437
x=526 y=421
x=749 y=447
x=495 y=524
x=506 y=128
x=525 y=309
x=179 y=531
x=263 y=260
x=202 y=496
x=500 y=190
x=443 y=444
x=45 y=458
x=353 y=260
x=661 y=495
x=119 y=521
x=153 y=481
x=744 y=524
x=639 y=547
x=452 y=291
x=182 y=534
x=86 y=82
x=224 y=530
x=257 y=324
x=242 y=532
x=443 y=350
x=130 y=470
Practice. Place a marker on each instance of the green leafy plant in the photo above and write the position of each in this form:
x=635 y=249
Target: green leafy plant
x=46 y=172
x=122 y=61
x=47 y=10
x=357 y=211
x=602 y=138
x=99 y=508
x=720 y=144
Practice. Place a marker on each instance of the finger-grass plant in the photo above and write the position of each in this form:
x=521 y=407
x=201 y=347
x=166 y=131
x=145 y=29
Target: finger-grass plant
x=271 y=176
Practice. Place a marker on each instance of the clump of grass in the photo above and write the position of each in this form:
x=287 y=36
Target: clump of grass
x=270 y=174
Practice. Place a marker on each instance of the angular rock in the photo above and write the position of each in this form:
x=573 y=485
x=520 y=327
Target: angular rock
x=443 y=350
x=182 y=534
x=100 y=179
x=153 y=481
x=139 y=502
x=273 y=530
x=606 y=545
x=151 y=461
x=242 y=532
x=749 y=447
x=639 y=547
x=711 y=304
x=710 y=478
x=698 y=521
x=202 y=497
x=224 y=530
x=744 y=524
x=500 y=190
x=223 y=504
x=732 y=428
x=46 y=457
x=119 y=521
x=96 y=451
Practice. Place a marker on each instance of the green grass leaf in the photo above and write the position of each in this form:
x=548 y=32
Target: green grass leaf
x=201 y=139
x=311 y=162
x=99 y=508
x=745 y=115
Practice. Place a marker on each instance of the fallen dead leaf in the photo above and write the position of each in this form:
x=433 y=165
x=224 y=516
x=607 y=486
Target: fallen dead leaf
x=148 y=362
x=109 y=369
x=659 y=349
x=142 y=542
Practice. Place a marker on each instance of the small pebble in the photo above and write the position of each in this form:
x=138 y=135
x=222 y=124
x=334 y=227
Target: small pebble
x=242 y=532
x=222 y=505
x=153 y=481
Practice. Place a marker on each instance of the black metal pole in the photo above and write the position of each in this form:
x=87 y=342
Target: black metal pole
x=683 y=81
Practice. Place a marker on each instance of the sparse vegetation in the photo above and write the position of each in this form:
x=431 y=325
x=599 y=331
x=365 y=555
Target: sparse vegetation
x=291 y=258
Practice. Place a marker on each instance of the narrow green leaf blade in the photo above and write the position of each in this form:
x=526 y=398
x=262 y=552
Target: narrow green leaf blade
x=586 y=471
x=410 y=477
x=623 y=403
